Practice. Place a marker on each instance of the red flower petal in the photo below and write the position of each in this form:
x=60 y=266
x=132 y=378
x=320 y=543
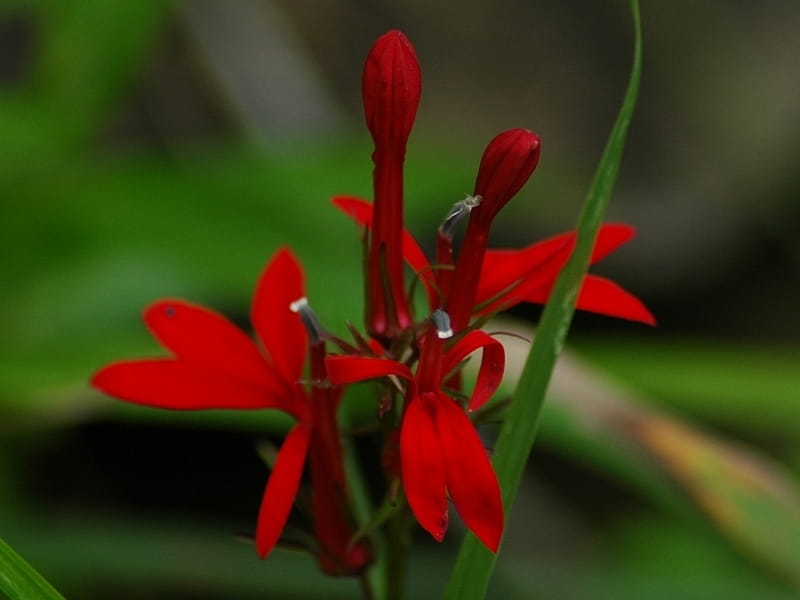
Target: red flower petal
x=281 y=489
x=503 y=268
x=490 y=373
x=471 y=480
x=350 y=369
x=601 y=296
x=179 y=384
x=537 y=266
x=610 y=237
x=422 y=466
x=361 y=212
x=356 y=208
x=208 y=340
x=279 y=329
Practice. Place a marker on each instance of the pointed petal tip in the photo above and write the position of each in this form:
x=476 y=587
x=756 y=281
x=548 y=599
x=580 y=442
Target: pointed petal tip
x=97 y=380
x=281 y=489
x=263 y=551
x=605 y=297
x=280 y=330
x=111 y=379
x=438 y=528
x=490 y=531
x=358 y=209
x=491 y=537
x=161 y=310
x=492 y=543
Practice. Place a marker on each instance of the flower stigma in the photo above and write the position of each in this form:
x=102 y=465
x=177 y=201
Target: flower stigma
x=441 y=321
x=309 y=319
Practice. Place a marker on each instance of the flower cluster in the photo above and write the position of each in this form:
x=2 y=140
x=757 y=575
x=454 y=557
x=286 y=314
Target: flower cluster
x=432 y=450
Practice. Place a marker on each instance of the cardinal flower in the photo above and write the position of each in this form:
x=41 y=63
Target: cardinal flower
x=441 y=454
x=215 y=365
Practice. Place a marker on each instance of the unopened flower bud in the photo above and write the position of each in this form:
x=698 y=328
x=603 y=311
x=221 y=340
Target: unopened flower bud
x=391 y=86
x=507 y=163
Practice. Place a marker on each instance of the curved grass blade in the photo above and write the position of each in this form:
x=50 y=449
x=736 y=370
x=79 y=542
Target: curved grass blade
x=473 y=569
x=19 y=581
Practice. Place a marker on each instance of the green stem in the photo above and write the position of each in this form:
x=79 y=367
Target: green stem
x=399 y=543
x=373 y=581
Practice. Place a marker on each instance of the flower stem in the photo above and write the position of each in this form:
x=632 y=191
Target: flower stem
x=397 y=547
x=373 y=580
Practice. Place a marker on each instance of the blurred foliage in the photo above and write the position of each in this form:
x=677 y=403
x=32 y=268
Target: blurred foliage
x=97 y=219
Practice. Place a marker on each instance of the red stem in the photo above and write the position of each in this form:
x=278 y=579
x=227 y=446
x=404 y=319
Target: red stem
x=334 y=525
x=467 y=274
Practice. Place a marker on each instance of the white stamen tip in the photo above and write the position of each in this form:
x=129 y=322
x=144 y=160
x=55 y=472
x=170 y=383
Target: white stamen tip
x=441 y=321
x=298 y=304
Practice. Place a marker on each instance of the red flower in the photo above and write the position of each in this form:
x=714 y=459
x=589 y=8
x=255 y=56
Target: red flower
x=440 y=451
x=508 y=277
x=391 y=89
x=215 y=365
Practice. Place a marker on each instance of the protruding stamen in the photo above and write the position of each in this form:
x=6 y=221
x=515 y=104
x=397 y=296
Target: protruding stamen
x=309 y=319
x=460 y=209
x=441 y=321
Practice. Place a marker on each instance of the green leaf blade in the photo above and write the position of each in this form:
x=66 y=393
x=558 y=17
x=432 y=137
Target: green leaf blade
x=20 y=581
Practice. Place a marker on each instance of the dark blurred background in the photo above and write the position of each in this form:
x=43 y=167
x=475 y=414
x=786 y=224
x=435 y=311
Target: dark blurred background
x=157 y=148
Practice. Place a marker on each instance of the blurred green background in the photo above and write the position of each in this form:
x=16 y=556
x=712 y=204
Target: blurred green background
x=152 y=149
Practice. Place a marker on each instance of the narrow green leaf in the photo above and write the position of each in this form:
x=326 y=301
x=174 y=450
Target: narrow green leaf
x=473 y=569
x=19 y=580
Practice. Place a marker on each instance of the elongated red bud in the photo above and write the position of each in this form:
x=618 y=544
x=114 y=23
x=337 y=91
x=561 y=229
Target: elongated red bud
x=391 y=85
x=507 y=163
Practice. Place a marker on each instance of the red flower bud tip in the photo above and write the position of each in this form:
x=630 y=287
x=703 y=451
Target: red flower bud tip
x=392 y=85
x=507 y=163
